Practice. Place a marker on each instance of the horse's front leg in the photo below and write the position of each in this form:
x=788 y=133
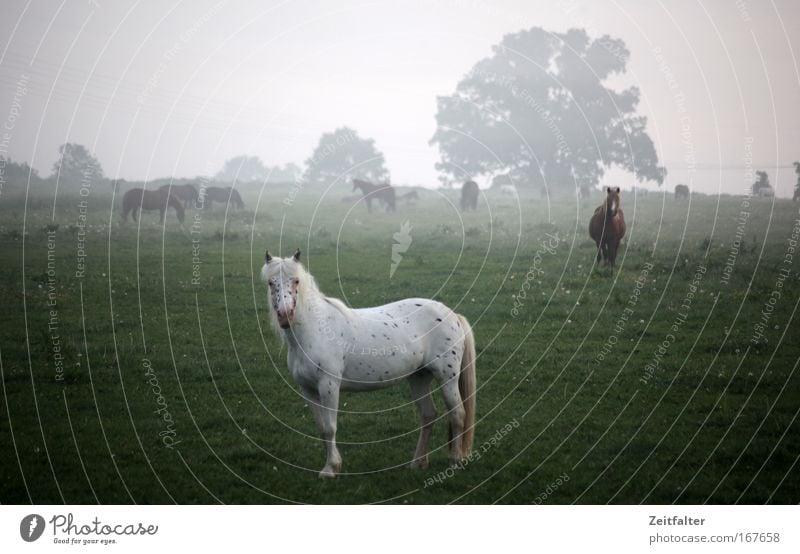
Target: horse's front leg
x=612 y=252
x=328 y=390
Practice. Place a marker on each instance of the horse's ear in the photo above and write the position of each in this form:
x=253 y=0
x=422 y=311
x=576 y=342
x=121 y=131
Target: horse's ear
x=296 y=255
x=617 y=189
x=608 y=189
x=267 y=257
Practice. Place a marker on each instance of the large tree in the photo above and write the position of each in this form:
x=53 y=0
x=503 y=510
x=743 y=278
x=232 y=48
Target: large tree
x=343 y=154
x=251 y=168
x=243 y=168
x=76 y=165
x=540 y=109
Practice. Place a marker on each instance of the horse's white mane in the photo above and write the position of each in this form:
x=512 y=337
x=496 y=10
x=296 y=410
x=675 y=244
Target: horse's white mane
x=307 y=286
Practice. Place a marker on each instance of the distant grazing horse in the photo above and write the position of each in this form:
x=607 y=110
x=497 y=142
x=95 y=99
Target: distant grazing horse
x=469 y=196
x=185 y=193
x=136 y=199
x=681 y=191
x=334 y=348
x=510 y=190
x=607 y=226
x=409 y=197
x=385 y=193
x=224 y=195
x=766 y=192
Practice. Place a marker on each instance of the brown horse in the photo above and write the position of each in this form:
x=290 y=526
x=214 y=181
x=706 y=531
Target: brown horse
x=185 y=193
x=140 y=199
x=469 y=196
x=225 y=195
x=385 y=193
x=607 y=226
x=681 y=191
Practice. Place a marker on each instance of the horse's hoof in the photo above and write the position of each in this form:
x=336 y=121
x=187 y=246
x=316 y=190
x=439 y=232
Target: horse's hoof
x=329 y=472
x=419 y=463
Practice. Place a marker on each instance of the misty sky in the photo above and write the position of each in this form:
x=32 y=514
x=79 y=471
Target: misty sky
x=175 y=88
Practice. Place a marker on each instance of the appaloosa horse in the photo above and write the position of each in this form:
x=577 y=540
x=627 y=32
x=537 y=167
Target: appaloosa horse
x=607 y=226
x=334 y=348
x=140 y=199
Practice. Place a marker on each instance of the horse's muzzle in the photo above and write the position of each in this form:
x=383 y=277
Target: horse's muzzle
x=285 y=318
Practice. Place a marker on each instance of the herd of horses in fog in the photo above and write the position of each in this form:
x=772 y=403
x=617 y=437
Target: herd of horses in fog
x=178 y=197
x=606 y=226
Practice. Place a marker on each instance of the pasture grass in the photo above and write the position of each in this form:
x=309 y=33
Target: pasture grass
x=715 y=422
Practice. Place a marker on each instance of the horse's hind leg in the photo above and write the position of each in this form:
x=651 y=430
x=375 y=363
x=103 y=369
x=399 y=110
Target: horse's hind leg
x=456 y=413
x=421 y=393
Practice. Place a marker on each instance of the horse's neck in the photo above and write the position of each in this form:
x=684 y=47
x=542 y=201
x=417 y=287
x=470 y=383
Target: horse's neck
x=309 y=318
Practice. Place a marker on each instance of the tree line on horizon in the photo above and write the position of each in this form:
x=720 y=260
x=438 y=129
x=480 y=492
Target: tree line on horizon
x=538 y=110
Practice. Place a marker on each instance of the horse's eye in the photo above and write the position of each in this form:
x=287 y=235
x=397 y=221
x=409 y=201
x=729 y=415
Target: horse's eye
x=295 y=281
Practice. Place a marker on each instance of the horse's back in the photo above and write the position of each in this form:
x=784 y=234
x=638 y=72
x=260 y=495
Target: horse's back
x=392 y=341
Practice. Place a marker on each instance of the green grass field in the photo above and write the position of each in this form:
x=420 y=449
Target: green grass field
x=155 y=378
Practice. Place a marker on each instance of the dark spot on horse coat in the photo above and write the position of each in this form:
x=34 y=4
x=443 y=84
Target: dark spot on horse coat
x=438 y=319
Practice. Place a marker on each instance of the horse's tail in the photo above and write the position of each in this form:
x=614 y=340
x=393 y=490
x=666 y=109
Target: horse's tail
x=467 y=384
